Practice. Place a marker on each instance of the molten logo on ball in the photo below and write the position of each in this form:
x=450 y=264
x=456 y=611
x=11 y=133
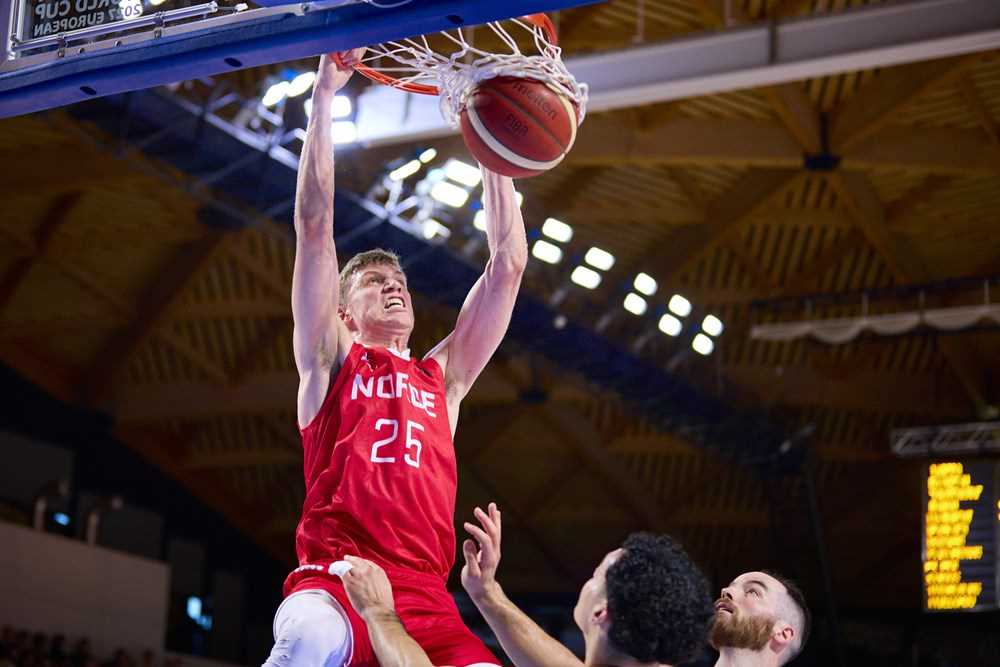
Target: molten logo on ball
x=536 y=98
x=518 y=127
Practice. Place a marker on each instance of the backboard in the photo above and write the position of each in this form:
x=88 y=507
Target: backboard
x=58 y=52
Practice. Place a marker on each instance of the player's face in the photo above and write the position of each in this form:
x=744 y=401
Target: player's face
x=746 y=612
x=594 y=594
x=379 y=301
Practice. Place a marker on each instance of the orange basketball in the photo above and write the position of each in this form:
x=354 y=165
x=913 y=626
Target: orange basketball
x=518 y=127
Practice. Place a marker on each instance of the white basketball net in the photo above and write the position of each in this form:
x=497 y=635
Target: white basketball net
x=457 y=73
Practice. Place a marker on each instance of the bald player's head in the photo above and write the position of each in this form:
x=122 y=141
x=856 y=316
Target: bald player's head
x=761 y=611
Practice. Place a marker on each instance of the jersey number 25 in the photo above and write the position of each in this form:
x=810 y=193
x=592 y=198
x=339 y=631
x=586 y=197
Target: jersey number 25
x=411 y=442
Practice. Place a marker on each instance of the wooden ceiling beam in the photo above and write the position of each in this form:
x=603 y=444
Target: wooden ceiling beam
x=863 y=203
x=155 y=301
x=256 y=308
x=721 y=13
x=797 y=114
x=278 y=285
x=89 y=171
x=584 y=439
x=974 y=102
x=874 y=106
x=813 y=270
x=787 y=8
x=556 y=561
x=55 y=379
x=922 y=193
x=57 y=215
x=859 y=390
x=661 y=212
x=931 y=150
x=265 y=394
x=604 y=140
x=756 y=191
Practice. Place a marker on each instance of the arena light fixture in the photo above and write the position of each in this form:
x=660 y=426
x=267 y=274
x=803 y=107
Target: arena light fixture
x=432 y=228
x=585 y=277
x=427 y=155
x=463 y=173
x=479 y=220
x=670 y=325
x=599 y=259
x=679 y=306
x=702 y=344
x=645 y=284
x=449 y=194
x=344 y=132
x=301 y=84
x=547 y=252
x=275 y=94
x=404 y=172
x=635 y=304
x=557 y=230
x=712 y=325
x=341 y=107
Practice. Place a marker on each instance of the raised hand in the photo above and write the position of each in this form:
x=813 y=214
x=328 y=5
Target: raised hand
x=335 y=69
x=482 y=553
x=367 y=587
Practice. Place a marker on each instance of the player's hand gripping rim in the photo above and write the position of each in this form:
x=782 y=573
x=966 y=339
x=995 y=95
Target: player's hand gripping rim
x=335 y=69
x=482 y=553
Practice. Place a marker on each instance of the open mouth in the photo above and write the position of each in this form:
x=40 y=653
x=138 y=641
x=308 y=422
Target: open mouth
x=724 y=607
x=394 y=301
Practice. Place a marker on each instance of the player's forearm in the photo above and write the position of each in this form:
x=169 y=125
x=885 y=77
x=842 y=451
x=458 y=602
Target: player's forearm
x=393 y=646
x=524 y=641
x=504 y=224
x=314 y=189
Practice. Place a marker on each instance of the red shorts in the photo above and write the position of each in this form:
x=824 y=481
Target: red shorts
x=423 y=604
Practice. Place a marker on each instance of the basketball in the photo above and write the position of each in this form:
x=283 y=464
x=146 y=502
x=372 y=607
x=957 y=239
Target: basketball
x=518 y=127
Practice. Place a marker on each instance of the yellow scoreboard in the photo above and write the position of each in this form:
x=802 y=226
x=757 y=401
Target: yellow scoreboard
x=961 y=535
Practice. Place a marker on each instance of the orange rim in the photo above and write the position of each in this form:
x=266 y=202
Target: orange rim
x=540 y=20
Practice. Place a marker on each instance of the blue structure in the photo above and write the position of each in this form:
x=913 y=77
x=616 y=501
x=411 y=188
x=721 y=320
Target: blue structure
x=76 y=67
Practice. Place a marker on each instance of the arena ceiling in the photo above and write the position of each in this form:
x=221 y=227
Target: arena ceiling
x=115 y=296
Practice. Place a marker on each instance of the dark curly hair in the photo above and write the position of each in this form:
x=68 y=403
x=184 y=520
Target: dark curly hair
x=658 y=601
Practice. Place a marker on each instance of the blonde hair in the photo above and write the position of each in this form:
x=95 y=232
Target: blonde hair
x=362 y=261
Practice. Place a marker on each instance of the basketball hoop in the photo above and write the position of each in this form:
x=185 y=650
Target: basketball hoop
x=453 y=66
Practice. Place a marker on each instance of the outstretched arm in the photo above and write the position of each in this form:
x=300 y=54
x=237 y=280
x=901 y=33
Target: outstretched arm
x=525 y=642
x=485 y=315
x=315 y=294
x=370 y=594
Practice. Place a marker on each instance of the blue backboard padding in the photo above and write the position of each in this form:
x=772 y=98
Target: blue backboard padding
x=248 y=44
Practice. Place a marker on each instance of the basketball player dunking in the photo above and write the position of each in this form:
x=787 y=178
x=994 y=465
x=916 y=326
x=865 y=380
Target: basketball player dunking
x=377 y=424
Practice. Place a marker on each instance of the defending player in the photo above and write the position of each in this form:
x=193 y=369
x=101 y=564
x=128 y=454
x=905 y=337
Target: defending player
x=646 y=605
x=761 y=620
x=377 y=425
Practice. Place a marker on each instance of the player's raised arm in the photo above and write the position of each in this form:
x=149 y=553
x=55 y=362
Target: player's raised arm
x=524 y=641
x=315 y=293
x=485 y=315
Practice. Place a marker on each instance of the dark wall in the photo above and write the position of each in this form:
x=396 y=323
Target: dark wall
x=102 y=466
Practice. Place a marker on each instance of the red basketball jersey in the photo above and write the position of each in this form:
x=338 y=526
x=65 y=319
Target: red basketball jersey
x=380 y=467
